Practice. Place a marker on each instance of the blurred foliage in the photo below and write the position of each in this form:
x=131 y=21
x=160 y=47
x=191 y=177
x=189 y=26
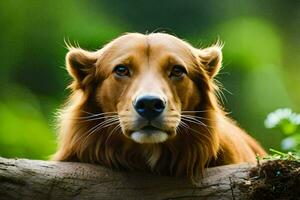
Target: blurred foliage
x=24 y=131
x=261 y=57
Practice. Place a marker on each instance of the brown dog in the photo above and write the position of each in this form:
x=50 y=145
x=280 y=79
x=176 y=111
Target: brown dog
x=147 y=102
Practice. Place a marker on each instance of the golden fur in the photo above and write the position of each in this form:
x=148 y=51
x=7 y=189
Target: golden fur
x=198 y=132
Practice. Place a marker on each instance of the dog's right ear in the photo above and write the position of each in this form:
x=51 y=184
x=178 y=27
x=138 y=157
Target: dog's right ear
x=211 y=59
x=81 y=66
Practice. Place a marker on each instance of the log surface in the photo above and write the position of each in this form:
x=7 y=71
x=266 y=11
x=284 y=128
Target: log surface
x=34 y=179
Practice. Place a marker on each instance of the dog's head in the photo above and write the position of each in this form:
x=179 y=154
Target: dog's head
x=149 y=82
x=142 y=101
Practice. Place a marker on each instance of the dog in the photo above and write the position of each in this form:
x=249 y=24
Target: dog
x=149 y=103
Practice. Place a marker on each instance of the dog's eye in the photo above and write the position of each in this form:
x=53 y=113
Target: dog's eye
x=121 y=70
x=178 y=71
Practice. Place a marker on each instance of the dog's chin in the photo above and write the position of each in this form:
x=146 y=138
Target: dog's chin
x=149 y=135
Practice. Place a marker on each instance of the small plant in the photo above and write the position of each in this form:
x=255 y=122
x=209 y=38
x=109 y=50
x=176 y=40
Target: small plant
x=288 y=123
x=282 y=156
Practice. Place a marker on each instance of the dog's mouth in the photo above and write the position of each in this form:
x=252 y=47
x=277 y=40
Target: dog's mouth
x=149 y=129
x=149 y=134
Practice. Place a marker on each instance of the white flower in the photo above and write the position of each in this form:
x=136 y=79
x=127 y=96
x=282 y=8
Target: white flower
x=295 y=118
x=274 y=118
x=288 y=143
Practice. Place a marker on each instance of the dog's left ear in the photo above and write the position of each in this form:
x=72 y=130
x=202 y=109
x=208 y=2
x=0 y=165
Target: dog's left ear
x=211 y=59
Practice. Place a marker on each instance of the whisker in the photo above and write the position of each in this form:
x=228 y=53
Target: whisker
x=185 y=125
x=112 y=132
x=205 y=118
x=194 y=121
x=181 y=126
x=205 y=136
x=107 y=125
x=103 y=113
x=94 y=128
x=201 y=123
x=107 y=122
x=96 y=115
x=197 y=117
x=98 y=118
x=195 y=111
x=177 y=129
x=204 y=125
x=99 y=127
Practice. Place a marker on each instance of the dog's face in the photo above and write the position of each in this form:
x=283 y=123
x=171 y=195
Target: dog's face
x=147 y=80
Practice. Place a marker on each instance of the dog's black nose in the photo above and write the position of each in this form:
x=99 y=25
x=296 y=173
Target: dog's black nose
x=149 y=107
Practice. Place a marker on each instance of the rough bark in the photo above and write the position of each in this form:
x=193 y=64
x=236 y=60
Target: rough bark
x=32 y=179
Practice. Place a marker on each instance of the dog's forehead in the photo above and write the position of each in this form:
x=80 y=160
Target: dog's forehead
x=155 y=43
x=167 y=42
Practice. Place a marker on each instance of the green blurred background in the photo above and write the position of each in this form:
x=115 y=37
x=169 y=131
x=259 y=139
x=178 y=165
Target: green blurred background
x=261 y=57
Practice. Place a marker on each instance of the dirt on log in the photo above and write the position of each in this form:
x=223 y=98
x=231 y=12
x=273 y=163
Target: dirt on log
x=33 y=179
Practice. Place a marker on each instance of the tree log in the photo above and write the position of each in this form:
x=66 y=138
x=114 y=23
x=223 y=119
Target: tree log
x=33 y=179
